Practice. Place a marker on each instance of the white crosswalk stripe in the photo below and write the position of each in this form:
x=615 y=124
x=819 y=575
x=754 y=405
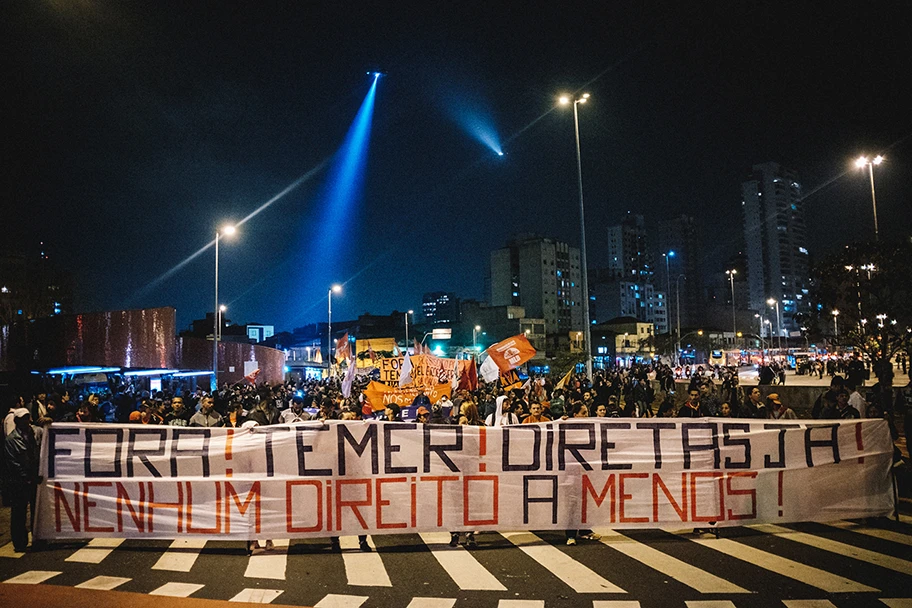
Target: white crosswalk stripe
x=579 y=577
x=890 y=535
x=32 y=577
x=897 y=602
x=257 y=596
x=103 y=583
x=808 y=604
x=177 y=589
x=818 y=542
x=460 y=564
x=269 y=564
x=7 y=550
x=521 y=604
x=363 y=569
x=808 y=575
x=709 y=604
x=334 y=600
x=431 y=602
x=96 y=550
x=615 y=604
x=181 y=555
x=693 y=577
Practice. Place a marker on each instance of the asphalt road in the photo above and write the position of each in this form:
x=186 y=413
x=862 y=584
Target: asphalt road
x=843 y=564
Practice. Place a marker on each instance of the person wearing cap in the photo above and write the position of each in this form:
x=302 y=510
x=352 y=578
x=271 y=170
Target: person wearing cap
x=422 y=416
x=778 y=411
x=21 y=450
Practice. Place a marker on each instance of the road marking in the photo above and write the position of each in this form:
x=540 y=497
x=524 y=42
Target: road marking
x=615 y=604
x=905 y=518
x=791 y=569
x=709 y=604
x=897 y=602
x=7 y=550
x=461 y=565
x=580 y=578
x=271 y=564
x=103 y=583
x=363 y=569
x=334 y=600
x=257 y=596
x=681 y=571
x=826 y=544
x=95 y=551
x=181 y=555
x=808 y=604
x=431 y=602
x=177 y=589
x=32 y=577
x=890 y=535
x=521 y=604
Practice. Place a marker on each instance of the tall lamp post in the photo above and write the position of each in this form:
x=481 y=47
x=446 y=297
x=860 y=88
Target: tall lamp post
x=861 y=162
x=835 y=324
x=584 y=270
x=475 y=331
x=678 y=303
x=774 y=302
x=329 y=321
x=221 y=311
x=409 y=312
x=667 y=256
x=216 y=319
x=731 y=279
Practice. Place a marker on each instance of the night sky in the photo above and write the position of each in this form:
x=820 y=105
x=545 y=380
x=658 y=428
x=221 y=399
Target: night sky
x=135 y=129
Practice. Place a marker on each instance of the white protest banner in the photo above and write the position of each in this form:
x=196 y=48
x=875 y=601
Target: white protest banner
x=345 y=478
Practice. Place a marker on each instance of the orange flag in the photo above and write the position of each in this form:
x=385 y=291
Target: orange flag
x=343 y=349
x=511 y=352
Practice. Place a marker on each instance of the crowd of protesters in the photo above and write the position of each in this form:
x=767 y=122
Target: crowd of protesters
x=643 y=390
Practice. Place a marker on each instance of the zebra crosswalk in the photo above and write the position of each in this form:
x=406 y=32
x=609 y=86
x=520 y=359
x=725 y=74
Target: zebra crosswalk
x=808 y=565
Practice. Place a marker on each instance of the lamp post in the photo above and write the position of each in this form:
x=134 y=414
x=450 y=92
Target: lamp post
x=731 y=279
x=774 y=302
x=583 y=267
x=475 y=331
x=835 y=325
x=226 y=231
x=221 y=311
x=861 y=162
x=329 y=320
x=409 y=312
x=678 y=304
x=668 y=255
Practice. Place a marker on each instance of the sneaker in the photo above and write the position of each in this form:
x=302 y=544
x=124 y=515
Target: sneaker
x=334 y=545
x=454 y=539
x=470 y=540
x=571 y=541
x=365 y=548
x=591 y=536
x=269 y=545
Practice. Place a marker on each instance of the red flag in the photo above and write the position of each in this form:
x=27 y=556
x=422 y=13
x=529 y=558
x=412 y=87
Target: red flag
x=469 y=379
x=253 y=376
x=343 y=349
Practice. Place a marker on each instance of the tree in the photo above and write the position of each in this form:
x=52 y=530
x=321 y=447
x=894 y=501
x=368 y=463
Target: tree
x=869 y=286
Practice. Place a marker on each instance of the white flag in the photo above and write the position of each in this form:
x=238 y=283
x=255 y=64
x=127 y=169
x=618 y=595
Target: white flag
x=489 y=370
x=349 y=378
x=405 y=374
x=454 y=383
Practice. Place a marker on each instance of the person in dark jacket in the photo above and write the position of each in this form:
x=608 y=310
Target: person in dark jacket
x=21 y=450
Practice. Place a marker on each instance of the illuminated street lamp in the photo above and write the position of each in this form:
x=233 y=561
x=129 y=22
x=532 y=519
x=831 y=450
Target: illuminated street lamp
x=584 y=270
x=667 y=256
x=475 y=331
x=835 y=325
x=409 y=312
x=774 y=302
x=228 y=230
x=329 y=319
x=861 y=162
x=731 y=278
x=221 y=311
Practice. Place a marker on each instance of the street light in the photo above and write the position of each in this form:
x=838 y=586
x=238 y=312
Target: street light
x=329 y=320
x=861 y=162
x=678 y=303
x=835 y=326
x=228 y=230
x=774 y=302
x=668 y=255
x=731 y=279
x=410 y=312
x=584 y=270
x=475 y=331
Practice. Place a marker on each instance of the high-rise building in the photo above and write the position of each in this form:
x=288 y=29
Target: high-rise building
x=440 y=308
x=683 y=273
x=775 y=240
x=612 y=298
x=628 y=255
x=543 y=276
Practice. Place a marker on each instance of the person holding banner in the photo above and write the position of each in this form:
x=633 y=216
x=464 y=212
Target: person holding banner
x=21 y=451
x=468 y=417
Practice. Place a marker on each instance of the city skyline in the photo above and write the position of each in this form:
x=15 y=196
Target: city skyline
x=140 y=134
